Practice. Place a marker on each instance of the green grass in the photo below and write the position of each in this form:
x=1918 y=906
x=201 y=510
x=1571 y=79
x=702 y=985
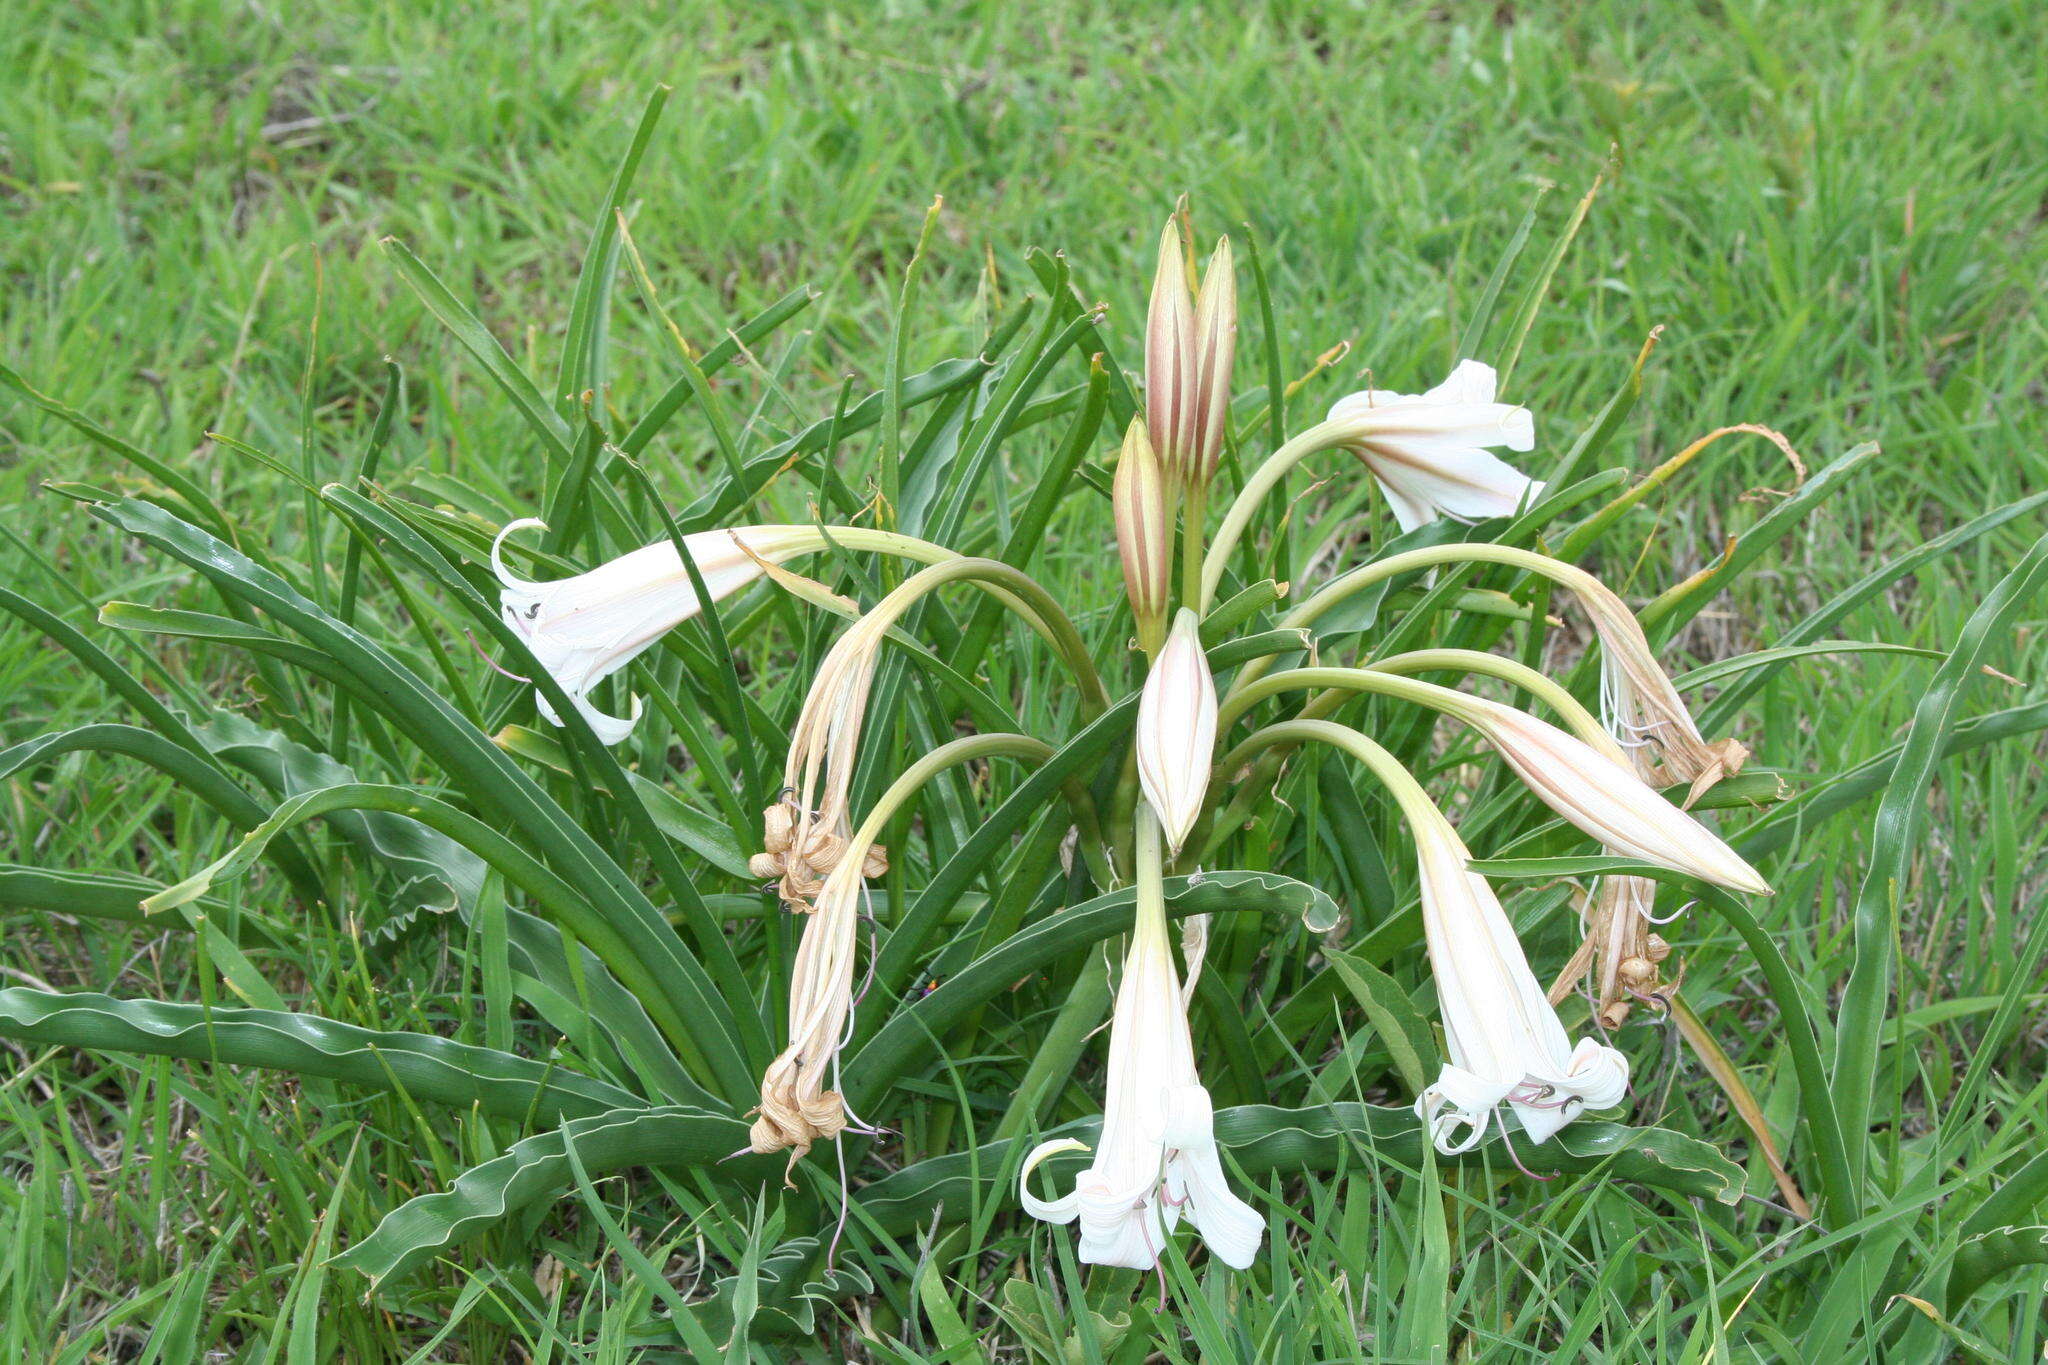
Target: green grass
x=1833 y=212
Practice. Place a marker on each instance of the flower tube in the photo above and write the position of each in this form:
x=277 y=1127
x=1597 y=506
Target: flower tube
x=1156 y=1160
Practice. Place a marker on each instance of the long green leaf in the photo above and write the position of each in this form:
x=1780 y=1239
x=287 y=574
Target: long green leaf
x=430 y=1068
x=537 y=1168
x=1901 y=817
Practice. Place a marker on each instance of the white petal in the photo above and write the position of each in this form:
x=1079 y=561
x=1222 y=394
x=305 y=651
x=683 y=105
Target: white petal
x=1122 y=1227
x=1608 y=801
x=1460 y=481
x=1457 y=1100
x=1051 y=1210
x=1597 y=1078
x=1429 y=450
x=609 y=729
x=1471 y=381
x=1232 y=1228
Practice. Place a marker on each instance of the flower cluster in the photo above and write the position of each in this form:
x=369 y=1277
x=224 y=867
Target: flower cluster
x=1511 y=1068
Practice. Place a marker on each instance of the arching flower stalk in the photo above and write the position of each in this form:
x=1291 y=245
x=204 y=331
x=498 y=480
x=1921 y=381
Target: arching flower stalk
x=1506 y=1045
x=1156 y=1160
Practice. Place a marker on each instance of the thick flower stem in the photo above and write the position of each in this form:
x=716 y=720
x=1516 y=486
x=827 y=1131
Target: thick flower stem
x=1191 y=544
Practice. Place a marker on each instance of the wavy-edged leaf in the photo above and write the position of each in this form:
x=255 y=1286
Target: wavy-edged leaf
x=432 y=871
x=537 y=1168
x=427 y=1067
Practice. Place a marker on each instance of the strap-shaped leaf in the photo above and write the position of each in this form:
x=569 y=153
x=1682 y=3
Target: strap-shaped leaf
x=191 y=771
x=425 y=1067
x=1901 y=821
x=537 y=1168
x=691 y=1012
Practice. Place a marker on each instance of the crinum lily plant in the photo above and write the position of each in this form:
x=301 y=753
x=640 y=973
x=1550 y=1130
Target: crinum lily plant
x=1203 y=745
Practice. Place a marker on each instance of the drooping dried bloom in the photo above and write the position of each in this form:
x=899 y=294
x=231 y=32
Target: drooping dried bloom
x=801 y=1101
x=800 y=872
x=585 y=628
x=1156 y=1161
x=804 y=835
x=1190 y=351
x=1429 y=451
x=1177 y=730
x=1505 y=1041
x=1639 y=704
x=1144 y=533
x=1605 y=799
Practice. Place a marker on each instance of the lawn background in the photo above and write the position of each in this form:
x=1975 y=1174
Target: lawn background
x=1834 y=212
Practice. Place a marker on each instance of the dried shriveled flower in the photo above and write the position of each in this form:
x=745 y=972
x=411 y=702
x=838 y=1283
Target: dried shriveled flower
x=1429 y=451
x=1177 y=730
x=801 y=1101
x=1640 y=705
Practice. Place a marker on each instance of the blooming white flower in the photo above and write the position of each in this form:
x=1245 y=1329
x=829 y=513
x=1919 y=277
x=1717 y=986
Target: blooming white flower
x=585 y=628
x=1429 y=451
x=1506 y=1043
x=1606 y=799
x=1156 y=1161
x=1177 y=729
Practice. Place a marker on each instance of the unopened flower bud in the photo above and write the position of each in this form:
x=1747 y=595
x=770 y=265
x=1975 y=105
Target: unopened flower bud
x=1144 y=533
x=1177 y=730
x=1190 y=350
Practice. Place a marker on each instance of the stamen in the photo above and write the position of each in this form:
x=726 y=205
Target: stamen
x=1644 y=911
x=496 y=667
x=1508 y=1143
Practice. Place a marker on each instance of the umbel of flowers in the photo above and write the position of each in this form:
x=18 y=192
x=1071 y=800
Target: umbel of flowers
x=1511 y=1068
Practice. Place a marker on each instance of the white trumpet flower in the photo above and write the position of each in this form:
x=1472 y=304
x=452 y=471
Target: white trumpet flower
x=1156 y=1161
x=1429 y=451
x=585 y=628
x=1506 y=1043
x=1606 y=799
x=1177 y=729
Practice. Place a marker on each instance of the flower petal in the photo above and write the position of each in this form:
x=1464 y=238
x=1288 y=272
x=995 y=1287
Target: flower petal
x=1051 y=1210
